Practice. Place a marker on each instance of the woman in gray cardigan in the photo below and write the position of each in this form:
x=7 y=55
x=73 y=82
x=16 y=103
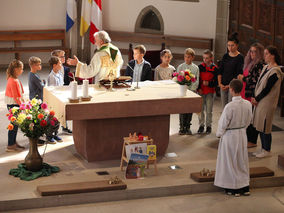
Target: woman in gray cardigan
x=266 y=98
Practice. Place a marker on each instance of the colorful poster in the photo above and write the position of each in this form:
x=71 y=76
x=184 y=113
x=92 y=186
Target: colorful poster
x=151 y=151
x=139 y=148
x=136 y=165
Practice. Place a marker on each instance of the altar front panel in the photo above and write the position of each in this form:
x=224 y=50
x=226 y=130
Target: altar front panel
x=102 y=139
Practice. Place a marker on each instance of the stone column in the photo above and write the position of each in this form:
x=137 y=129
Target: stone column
x=222 y=27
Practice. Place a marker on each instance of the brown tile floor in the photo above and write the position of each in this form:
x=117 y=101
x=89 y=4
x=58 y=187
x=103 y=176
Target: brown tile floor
x=193 y=153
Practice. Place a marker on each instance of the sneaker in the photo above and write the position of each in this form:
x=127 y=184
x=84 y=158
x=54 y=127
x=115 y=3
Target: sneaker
x=66 y=130
x=188 y=132
x=200 y=130
x=263 y=154
x=208 y=130
x=50 y=140
x=236 y=192
x=258 y=152
x=181 y=132
x=229 y=191
x=13 y=149
x=58 y=139
x=245 y=191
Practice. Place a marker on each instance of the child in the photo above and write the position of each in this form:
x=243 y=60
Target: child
x=207 y=83
x=55 y=78
x=185 y=119
x=65 y=71
x=232 y=168
x=35 y=83
x=14 y=98
x=164 y=71
x=142 y=68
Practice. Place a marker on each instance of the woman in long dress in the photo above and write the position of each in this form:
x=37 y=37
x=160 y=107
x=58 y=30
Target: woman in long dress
x=266 y=98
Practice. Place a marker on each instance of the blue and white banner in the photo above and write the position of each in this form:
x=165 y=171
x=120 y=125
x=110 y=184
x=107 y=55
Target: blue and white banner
x=71 y=14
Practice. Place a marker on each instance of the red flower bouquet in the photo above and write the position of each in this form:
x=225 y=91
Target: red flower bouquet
x=184 y=77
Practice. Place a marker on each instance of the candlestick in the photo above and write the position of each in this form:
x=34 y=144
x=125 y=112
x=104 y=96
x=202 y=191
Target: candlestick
x=74 y=89
x=85 y=88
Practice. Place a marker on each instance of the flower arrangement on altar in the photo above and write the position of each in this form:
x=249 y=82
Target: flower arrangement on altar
x=184 y=77
x=33 y=118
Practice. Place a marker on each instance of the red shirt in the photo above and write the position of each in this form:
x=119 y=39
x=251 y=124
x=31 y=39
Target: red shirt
x=208 y=73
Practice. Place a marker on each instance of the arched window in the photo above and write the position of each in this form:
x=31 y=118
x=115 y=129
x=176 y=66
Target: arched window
x=150 y=21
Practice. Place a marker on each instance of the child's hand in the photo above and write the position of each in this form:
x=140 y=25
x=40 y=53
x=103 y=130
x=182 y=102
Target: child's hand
x=240 y=77
x=222 y=87
x=205 y=83
x=254 y=102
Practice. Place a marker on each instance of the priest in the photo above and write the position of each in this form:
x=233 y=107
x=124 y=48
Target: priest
x=107 y=59
x=232 y=168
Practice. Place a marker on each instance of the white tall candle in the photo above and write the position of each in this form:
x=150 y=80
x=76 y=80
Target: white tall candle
x=85 y=88
x=73 y=85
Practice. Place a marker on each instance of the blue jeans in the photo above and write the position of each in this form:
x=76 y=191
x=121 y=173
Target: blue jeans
x=226 y=97
x=207 y=105
x=252 y=134
x=12 y=134
x=185 y=121
x=265 y=141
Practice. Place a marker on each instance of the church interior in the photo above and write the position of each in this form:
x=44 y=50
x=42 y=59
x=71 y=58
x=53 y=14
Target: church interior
x=36 y=28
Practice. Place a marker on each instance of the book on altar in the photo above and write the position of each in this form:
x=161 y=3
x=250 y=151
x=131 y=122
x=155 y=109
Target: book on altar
x=136 y=166
x=139 y=148
x=151 y=151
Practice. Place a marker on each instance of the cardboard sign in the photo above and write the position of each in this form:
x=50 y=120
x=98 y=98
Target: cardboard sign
x=151 y=151
x=139 y=148
x=136 y=165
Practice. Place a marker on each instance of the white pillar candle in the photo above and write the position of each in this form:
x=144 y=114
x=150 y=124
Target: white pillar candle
x=73 y=85
x=85 y=88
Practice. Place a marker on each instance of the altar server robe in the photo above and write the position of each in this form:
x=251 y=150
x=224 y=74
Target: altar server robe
x=232 y=168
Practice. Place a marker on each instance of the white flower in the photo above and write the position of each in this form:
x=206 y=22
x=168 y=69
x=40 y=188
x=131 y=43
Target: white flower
x=175 y=79
x=181 y=73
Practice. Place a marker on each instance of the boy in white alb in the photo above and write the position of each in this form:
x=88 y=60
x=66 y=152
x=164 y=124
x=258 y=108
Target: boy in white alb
x=232 y=168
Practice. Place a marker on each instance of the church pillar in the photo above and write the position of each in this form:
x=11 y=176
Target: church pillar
x=222 y=26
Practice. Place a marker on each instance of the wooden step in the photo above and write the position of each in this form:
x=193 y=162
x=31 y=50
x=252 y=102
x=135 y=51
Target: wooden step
x=79 y=187
x=281 y=161
x=254 y=172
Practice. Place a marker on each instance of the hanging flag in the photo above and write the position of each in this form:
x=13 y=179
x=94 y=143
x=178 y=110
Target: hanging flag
x=96 y=19
x=71 y=14
x=85 y=16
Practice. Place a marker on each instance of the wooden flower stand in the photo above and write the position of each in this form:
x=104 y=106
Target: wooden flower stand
x=126 y=142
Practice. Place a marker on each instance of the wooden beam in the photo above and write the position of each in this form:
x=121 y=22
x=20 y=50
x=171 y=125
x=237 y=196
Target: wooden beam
x=31 y=36
x=176 y=56
x=169 y=40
